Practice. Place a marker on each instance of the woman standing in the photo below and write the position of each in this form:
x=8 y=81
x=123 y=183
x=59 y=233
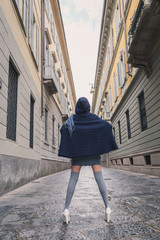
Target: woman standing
x=84 y=137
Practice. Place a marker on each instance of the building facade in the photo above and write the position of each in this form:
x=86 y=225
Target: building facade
x=127 y=82
x=36 y=90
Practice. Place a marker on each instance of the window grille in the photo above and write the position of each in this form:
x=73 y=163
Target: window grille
x=53 y=121
x=113 y=130
x=31 y=122
x=58 y=135
x=142 y=110
x=119 y=128
x=12 y=102
x=131 y=161
x=148 y=160
x=46 y=124
x=128 y=124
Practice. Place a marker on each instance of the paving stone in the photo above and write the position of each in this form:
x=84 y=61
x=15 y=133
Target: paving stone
x=8 y=235
x=33 y=211
x=149 y=237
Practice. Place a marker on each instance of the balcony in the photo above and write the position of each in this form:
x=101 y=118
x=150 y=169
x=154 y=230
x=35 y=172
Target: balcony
x=50 y=79
x=144 y=34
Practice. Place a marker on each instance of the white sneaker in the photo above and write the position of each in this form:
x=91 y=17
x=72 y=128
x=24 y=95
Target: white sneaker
x=66 y=217
x=107 y=214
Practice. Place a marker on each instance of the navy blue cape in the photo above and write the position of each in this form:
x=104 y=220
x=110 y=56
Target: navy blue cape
x=92 y=136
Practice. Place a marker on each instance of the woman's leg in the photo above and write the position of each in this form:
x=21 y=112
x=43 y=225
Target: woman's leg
x=72 y=184
x=101 y=184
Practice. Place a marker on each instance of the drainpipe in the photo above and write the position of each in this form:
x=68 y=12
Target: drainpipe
x=42 y=52
x=125 y=36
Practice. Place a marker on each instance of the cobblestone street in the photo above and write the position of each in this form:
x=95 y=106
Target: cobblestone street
x=33 y=211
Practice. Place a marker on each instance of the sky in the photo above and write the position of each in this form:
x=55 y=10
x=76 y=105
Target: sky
x=82 y=23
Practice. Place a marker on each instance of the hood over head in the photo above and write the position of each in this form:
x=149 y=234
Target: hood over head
x=82 y=106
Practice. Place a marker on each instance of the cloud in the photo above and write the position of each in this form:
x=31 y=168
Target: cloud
x=82 y=21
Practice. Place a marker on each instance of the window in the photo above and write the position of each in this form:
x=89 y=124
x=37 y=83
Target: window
x=31 y=122
x=53 y=121
x=119 y=128
x=17 y=2
x=123 y=67
x=142 y=110
x=128 y=124
x=117 y=18
x=12 y=102
x=31 y=24
x=111 y=101
x=119 y=74
x=47 y=7
x=148 y=160
x=34 y=36
x=106 y=107
x=115 y=87
x=46 y=124
x=37 y=45
x=53 y=28
x=111 y=44
x=113 y=131
x=131 y=161
x=25 y=14
x=125 y=2
x=58 y=135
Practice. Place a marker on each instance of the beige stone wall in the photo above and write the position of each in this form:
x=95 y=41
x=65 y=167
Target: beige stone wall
x=19 y=163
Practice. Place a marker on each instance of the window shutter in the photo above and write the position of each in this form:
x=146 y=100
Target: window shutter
x=112 y=40
x=45 y=54
x=25 y=15
x=125 y=1
x=30 y=23
x=110 y=44
x=46 y=6
x=119 y=13
x=37 y=46
x=17 y=1
x=110 y=91
x=116 y=24
x=119 y=74
x=115 y=87
x=49 y=58
x=123 y=66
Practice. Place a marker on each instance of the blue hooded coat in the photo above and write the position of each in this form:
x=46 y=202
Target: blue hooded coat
x=85 y=134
